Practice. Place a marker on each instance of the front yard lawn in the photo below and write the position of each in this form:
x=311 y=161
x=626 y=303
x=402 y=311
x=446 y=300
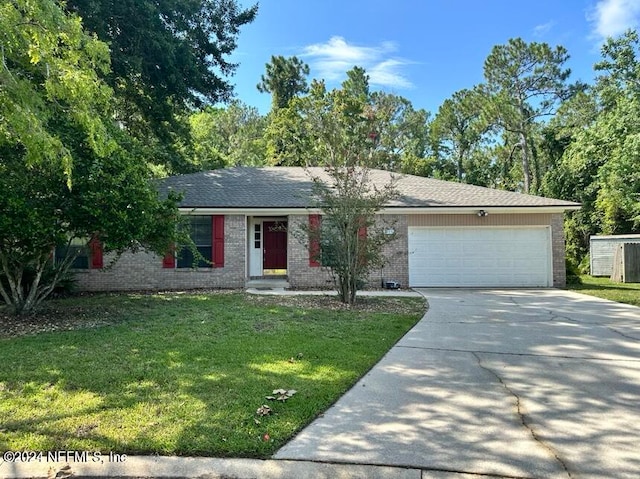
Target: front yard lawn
x=184 y=373
x=604 y=288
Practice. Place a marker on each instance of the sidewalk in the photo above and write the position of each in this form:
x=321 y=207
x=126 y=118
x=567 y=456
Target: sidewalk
x=201 y=467
x=374 y=292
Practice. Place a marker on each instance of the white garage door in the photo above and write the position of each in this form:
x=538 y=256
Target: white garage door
x=511 y=257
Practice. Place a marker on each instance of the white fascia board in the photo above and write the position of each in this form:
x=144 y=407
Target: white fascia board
x=465 y=210
x=249 y=211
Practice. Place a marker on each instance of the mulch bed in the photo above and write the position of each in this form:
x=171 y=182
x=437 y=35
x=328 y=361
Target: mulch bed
x=49 y=319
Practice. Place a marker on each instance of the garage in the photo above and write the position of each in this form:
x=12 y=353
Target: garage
x=480 y=257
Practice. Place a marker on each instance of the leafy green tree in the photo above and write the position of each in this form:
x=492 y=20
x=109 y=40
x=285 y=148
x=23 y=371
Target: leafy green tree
x=285 y=78
x=526 y=81
x=286 y=135
x=402 y=132
x=49 y=67
x=112 y=200
x=621 y=69
x=231 y=136
x=167 y=57
x=393 y=133
x=599 y=166
x=619 y=91
x=458 y=129
x=351 y=240
x=66 y=169
x=342 y=132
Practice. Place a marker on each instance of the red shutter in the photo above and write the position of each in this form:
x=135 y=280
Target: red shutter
x=95 y=247
x=314 y=243
x=169 y=260
x=362 y=241
x=217 y=222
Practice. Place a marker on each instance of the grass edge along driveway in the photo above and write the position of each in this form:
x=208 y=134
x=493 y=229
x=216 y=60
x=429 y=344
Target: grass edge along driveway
x=628 y=293
x=184 y=374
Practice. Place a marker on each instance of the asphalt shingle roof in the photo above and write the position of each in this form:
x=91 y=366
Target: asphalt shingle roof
x=290 y=187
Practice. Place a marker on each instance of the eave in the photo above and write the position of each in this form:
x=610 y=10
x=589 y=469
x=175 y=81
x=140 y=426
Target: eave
x=402 y=210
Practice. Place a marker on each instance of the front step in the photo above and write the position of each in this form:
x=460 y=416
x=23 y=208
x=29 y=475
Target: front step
x=267 y=284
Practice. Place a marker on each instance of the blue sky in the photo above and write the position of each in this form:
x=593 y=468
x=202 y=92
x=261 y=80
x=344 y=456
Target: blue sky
x=424 y=50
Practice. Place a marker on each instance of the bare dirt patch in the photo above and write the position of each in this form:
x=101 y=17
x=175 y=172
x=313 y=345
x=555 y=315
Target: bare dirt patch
x=50 y=318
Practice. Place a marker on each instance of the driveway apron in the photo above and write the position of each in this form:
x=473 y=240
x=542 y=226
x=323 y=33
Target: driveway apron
x=509 y=383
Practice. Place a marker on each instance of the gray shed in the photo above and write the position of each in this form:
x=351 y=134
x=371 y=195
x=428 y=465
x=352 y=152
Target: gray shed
x=602 y=249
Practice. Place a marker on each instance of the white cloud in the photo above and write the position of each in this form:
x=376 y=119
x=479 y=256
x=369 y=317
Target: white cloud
x=335 y=57
x=611 y=18
x=543 y=29
x=387 y=73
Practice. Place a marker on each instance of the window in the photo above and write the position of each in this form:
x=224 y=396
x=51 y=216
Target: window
x=256 y=236
x=207 y=233
x=76 y=247
x=202 y=236
x=319 y=254
x=88 y=254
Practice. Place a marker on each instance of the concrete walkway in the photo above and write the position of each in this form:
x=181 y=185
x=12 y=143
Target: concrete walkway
x=536 y=384
x=398 y=293
x=525 y=384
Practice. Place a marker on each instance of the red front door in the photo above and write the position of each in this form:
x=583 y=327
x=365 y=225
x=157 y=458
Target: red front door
x=275 y=245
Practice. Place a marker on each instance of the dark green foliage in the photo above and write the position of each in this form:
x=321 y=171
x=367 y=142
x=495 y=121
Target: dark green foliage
x=111 y=198
x=350 y=237
x=166 y=57
x=573 y=272
x=525 y=83
x=285 y=78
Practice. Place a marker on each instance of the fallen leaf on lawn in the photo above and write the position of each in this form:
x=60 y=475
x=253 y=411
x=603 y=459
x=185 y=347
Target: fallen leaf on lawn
x=263 y=410
x=292 y=360
x=266 y=437
x=282 y=394
x=256 y=421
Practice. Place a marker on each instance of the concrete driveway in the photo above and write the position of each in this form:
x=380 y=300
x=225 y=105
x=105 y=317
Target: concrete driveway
x=514 y=383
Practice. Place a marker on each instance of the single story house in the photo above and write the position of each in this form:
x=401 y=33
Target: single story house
x=447 y=235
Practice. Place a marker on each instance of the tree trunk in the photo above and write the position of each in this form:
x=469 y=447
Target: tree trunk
x=526 y=171
x=24 y=298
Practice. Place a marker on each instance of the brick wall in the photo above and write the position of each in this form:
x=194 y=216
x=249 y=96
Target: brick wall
x=144 y=271
x=558 y=250
x=396 y=267
x=303 y=276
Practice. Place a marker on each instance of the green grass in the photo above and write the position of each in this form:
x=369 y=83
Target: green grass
x=604 y=288
x=185 y=373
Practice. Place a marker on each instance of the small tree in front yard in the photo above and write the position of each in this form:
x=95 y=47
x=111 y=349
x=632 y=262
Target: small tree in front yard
x=349 y=240
x=344 y=131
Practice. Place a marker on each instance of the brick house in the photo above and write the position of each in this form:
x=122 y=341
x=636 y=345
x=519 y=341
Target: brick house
x=447 y=235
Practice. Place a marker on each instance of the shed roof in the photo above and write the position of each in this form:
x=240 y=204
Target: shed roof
x=291 y=187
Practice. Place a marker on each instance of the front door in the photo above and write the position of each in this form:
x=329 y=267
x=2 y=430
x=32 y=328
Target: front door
x=275 y=245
